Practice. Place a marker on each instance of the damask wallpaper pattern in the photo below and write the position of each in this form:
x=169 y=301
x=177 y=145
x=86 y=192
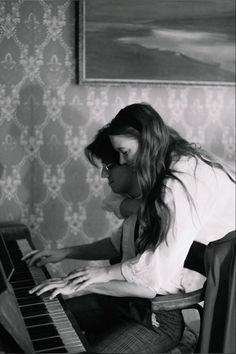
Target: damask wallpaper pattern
x=46 y=120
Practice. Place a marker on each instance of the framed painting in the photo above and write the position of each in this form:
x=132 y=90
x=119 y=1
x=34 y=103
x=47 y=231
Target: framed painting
x=156 y=41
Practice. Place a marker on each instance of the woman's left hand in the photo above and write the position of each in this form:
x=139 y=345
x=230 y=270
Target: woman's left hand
x=85 y=276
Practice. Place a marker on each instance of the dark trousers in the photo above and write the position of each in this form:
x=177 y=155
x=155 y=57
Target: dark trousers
x=124 y=324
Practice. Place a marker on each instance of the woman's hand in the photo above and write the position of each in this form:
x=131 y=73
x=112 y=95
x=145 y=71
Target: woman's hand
x=40 y=258
x=85 y=276
x=55 y=286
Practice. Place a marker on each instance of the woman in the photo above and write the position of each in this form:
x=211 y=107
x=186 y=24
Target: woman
x=186 y=195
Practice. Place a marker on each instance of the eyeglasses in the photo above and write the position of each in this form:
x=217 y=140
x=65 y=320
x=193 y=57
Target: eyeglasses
x=108 y=166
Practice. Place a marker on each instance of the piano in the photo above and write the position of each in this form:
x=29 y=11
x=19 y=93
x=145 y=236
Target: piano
x=30 y=323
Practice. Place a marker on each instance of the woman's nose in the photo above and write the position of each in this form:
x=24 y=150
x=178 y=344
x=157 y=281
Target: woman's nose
x=122 y=159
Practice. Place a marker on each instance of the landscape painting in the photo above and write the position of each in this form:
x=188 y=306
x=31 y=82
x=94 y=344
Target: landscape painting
x=182 y=41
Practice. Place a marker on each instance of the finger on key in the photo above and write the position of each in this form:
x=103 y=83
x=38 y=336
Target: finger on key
x=37 y=259
x=36 y=288
x=49 y=287
x=46 y=286
x=39 y=286
x=29 y=255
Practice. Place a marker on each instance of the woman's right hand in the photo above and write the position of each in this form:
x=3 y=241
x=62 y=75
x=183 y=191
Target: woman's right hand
x=40 y=258
x=56 y=287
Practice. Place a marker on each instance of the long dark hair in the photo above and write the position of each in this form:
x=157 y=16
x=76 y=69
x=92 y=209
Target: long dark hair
x=159 y=146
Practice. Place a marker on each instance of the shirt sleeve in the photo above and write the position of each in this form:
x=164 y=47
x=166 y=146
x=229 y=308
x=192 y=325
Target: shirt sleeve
x=112 y=204
x=160 y=268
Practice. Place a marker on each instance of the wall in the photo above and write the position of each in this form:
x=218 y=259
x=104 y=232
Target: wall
x=46 y=120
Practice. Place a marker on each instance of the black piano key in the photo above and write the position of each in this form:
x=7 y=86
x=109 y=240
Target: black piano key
x=41 y=344
x=12 y=245
x=34 y=310
x=45 y=331
x=29 y=300
x=19 y=276
x=22 y=292
x=16 y=257
x=56 y=350
x=38 y=320
x=21 y=266
x=19 y=269
x=23 y=289
x=16 y=253
x=23 y=284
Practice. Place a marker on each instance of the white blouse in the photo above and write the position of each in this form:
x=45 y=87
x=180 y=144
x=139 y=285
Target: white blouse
x=211 y=217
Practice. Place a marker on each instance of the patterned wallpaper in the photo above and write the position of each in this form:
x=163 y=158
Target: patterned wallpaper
x=46 y=120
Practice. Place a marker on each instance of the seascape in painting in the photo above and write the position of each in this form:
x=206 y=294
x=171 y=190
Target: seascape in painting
x=160 y=40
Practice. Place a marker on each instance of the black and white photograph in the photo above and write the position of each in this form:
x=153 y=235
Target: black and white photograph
x=117 y=176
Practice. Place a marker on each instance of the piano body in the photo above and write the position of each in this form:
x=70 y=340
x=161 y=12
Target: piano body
x=29 y=323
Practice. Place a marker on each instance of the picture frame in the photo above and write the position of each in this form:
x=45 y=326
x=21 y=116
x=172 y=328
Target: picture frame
x=155 y=42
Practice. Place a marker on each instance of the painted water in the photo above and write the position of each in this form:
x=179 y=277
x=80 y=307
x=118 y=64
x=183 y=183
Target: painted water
x=160 y=40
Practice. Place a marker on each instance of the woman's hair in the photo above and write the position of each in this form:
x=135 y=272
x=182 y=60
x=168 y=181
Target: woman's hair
x=101 y=149
x=159 y=146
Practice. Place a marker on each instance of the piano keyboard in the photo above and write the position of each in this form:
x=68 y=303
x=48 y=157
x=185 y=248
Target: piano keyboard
x=49 y=327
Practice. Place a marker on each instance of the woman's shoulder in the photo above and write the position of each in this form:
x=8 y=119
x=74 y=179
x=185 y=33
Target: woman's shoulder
x=185 y=164
x=196 y=168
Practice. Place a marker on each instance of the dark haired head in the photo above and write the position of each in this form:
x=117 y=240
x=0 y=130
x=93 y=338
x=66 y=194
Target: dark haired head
x=133 y=119
x=101 y=149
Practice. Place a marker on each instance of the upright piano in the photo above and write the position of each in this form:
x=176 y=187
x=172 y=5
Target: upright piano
x=29 y=323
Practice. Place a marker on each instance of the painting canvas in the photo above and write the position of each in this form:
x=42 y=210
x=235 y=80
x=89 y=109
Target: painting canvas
x=185 y=41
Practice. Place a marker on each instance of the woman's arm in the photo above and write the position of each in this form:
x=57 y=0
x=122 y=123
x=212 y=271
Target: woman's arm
x=102 y=249
x=121 y=289
x=113 y=288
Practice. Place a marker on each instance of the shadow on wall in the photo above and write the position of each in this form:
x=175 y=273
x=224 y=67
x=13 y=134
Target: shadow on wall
x=1 y=170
